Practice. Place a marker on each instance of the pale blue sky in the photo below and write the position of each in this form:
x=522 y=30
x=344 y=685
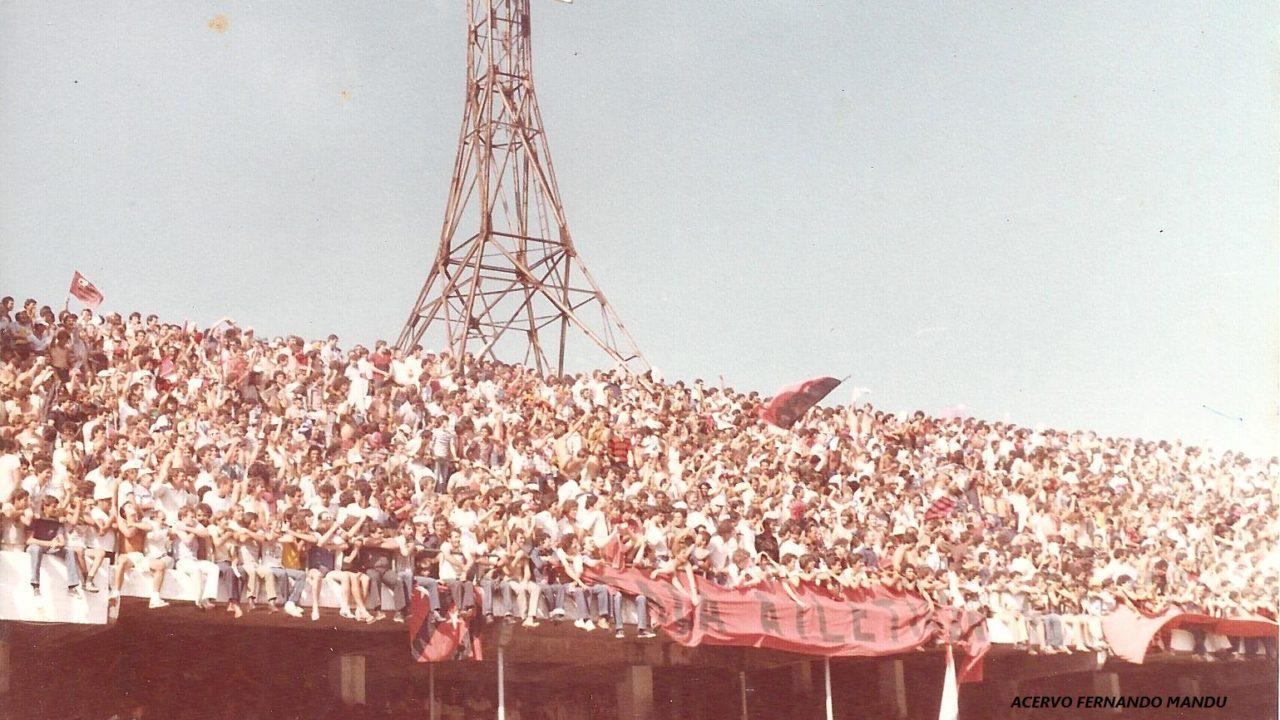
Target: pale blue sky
x=1063 y=214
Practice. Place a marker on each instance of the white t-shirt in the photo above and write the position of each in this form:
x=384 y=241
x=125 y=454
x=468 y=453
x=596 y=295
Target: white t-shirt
x=216 y=502
x=592 y=524
x=38 y=492
x=546 y=523
x=351 y=511
x=790 y=547
x=441 y=440
x=721 y=551
x=12 y=534
x=406 y=371
x=189 y=548
x=697 y=519
x=462 y=519
x=271 y=554
x=447 y=570
x=568 y=491
x=9 y=479
x=60 y=473
x=359 y=374
x=157 y=543
x=172 y=500
x=104 y=540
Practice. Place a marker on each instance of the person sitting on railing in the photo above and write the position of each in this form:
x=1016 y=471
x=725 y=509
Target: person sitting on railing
x=144 y=545
x=192 y=552
x=46 y=537
x=584 y=593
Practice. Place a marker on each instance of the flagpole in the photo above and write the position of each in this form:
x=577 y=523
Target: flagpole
x=949 y=707
x=502 y=690
x=826 y=681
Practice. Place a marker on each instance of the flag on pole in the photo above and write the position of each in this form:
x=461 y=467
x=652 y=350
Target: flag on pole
x=793 y=401
x=85 y=291
x=950 y=707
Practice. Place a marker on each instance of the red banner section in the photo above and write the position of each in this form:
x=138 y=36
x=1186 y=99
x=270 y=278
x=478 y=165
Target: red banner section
x=439 y=642
x=866 y=623
x=1129 y=632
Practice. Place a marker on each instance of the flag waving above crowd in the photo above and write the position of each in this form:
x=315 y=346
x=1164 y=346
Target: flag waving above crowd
x=793 y=401
x=85 y=291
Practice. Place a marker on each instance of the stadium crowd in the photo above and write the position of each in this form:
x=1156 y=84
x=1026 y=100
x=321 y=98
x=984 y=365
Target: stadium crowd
x=277 y=465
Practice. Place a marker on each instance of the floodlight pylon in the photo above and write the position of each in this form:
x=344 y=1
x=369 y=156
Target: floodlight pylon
x=507 y=275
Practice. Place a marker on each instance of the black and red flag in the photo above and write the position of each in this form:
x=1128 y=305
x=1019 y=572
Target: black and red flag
x=431 y=641
x=793 y=401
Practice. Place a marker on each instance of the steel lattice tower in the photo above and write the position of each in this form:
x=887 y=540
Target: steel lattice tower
x=507 y=275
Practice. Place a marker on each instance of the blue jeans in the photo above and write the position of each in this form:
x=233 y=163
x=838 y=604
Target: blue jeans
x=486 y=596
x=642 y=610
x=37 y=554
x=443 y=468
x=283 y=577
x=554 y=594
x=433 y=591
x=225 y=570
x=380 y=577
x=463 y=593
x=405 y=578
x=581 y=595
x=295 y=596
x=1052 y=630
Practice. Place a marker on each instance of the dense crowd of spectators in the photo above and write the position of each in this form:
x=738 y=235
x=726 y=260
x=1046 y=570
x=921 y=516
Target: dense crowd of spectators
x=278 y=464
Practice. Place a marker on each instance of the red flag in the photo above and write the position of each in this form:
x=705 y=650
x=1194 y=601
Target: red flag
x=940 y=508
x=168 y=369
x=792 y=401
x=1129 y=632
x=611 y=552
x=85 y=291
x=430 y=641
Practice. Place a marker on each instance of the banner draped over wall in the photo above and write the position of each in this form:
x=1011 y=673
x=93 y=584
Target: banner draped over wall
x=1129 y=633
x=868 y=623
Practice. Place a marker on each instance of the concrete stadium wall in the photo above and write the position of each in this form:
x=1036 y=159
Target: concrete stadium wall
x=55 y=606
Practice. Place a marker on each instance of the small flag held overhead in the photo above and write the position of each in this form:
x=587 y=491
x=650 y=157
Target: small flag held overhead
x=85 y=291
x=793 y=401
